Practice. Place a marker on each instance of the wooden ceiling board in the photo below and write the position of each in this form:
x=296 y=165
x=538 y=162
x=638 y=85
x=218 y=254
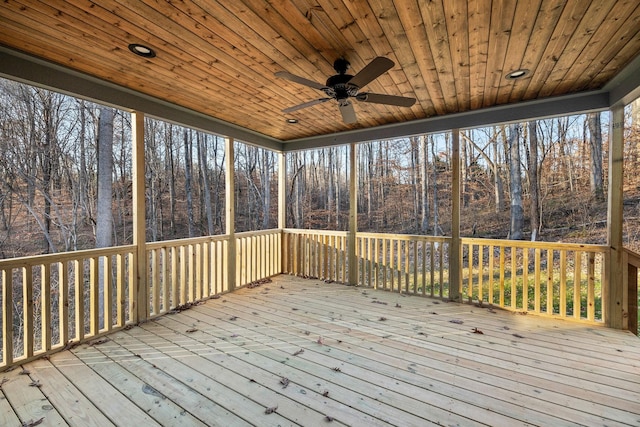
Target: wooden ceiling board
x=218 y=57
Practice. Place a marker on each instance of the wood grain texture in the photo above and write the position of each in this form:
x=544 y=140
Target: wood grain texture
x=219 y=57
x=400 y=361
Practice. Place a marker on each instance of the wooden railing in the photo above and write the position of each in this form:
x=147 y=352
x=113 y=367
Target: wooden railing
x=184 y=271
x=555 y=279
x=404 y=263
x=315 y=253
x=51 y=301
x=189 y=270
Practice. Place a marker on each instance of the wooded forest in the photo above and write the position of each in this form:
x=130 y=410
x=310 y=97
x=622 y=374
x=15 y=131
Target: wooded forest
x=65 y=180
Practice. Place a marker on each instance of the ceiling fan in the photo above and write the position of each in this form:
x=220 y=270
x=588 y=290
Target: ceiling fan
x=343 y=86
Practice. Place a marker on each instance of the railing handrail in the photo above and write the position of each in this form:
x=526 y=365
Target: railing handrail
x=317 y=232
x=632 y=257
x=413 y=237
x=27 y=261
x=535 y=244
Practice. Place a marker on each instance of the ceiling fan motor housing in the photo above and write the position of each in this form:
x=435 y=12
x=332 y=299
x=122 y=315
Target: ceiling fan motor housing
x=339 y=86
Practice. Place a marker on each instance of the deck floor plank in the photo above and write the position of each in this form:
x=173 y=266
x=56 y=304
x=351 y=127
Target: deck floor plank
x=627 y=403
x=107 y=398
x=62 y=394
x=475 y=388
x=150 y=389
x=399 y=360
x=28 y=402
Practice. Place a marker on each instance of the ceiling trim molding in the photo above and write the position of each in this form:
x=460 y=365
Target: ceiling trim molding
x=624 y=88
x=536 y=109
x=28 y=69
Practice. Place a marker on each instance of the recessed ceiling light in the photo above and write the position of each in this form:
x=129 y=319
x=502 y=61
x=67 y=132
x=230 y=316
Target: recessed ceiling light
x=142 y=50
x=517 y=74
x=292 y=121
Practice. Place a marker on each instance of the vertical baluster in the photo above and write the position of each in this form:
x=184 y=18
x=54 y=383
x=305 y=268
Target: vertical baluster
x=108 y=293
x=6 y=280
x=45 y=306
x=577 y=284
x=549 y=281
x=591 y=293
x=514 y=278
x=491 y=257
x=502 y=267
x=183 y=276
x=27 y=304
x=525 y=279
x=120 y=290
x=536 y=301
x=480 y=271
x=63 y=302
x=563 y=283
x=155 y=280
x=94 y=297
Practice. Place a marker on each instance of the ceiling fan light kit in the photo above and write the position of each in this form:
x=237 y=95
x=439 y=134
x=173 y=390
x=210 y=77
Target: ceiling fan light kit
x=342 y=86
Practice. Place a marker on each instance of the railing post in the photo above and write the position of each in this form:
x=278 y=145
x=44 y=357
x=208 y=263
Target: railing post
x=455 y=255
x=615 y=315
x=230 y=212
x=139 y=224
x=353 y=216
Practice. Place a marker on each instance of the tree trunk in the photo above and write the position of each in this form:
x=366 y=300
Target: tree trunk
x=517 y=211
x=188 y=167
x=424 y=185
x=595 y=143
x=206 y=187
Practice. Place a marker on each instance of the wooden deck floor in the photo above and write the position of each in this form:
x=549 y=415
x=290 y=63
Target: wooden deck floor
x=318 y=354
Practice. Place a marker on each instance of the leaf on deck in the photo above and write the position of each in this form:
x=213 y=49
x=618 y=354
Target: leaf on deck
x=477 y=331
x=298 y=352
x=517 y=335
x=189 y=331
x=398 y=305
x=456 y=321
x=35 y=383
x=284 y=381
x=336 y=369
x=31 y=423
x=382 y=319
x=271 y=410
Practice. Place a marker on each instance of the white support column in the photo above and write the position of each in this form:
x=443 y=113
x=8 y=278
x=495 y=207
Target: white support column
x=282 y=190
x=353 y=216
x=230 y=212
x=455 y=256
x=141 y=311
x=614 y=291
x=282 y=205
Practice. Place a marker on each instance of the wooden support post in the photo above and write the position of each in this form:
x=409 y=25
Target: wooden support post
x=455 y=256
x=139 y=221
x=230 y=212
x=282 y=206
x=353 y=216
x=614 y=294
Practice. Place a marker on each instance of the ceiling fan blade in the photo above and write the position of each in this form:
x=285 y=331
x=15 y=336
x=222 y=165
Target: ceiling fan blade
x=374 y=69
x=348 y=113
x=300 y=80
x=305 y=105
x=379 y=98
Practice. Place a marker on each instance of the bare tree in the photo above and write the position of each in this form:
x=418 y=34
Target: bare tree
x=595 y=143
x=517 y=210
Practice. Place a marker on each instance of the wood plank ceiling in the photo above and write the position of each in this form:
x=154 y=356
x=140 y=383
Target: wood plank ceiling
x=219 y=57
